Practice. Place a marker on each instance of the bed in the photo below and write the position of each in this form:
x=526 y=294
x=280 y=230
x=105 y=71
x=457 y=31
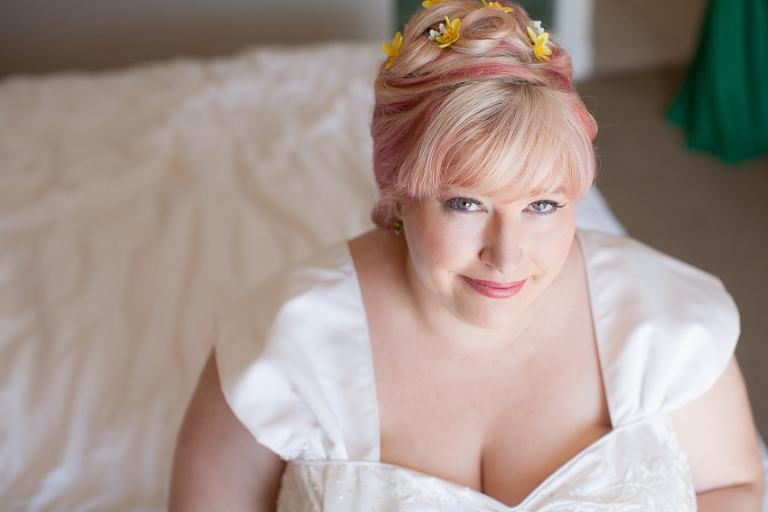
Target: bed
x=134 y=205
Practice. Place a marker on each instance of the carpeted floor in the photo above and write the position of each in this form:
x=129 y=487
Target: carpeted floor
x=687 y=204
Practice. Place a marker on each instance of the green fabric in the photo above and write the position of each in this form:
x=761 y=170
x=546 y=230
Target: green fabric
x=723 y=101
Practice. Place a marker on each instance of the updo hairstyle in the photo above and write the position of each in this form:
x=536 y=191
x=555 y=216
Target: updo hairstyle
x=485 y=113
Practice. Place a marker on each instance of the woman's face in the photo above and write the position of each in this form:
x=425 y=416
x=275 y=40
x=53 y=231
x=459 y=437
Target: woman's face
x=486 y=259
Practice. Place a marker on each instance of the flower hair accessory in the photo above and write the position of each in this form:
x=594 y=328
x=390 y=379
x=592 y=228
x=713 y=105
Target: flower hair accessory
x=539 y=39
x=392 y=49
x=448 y=34
x=496 y=5
x=429 y=3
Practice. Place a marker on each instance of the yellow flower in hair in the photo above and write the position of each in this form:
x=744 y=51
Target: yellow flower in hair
x=429 y=3
x=497 y=5
x=392 y=49
x=448 y=34
x=539 y=39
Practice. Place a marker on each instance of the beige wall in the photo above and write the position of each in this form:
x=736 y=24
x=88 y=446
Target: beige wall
x=49 y=35
x=632 y=35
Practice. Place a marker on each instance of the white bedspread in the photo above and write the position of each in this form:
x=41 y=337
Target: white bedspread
x=133 y=206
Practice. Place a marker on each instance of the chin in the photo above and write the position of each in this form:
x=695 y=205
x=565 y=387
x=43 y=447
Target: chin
x=498 y=314
x=493 y=317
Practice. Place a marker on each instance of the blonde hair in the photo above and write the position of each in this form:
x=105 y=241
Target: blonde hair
x=485 y=113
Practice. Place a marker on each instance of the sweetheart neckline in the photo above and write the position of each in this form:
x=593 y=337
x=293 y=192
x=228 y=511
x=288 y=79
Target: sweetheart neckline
x=490 y=500
x=558 y=470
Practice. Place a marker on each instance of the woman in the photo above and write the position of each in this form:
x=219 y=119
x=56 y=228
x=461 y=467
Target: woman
x=476 y=353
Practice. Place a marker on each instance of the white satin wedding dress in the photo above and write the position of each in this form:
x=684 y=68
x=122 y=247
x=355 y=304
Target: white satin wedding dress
x=295 y=364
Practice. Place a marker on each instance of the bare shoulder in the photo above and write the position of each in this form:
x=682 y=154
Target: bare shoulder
x=379 y=258
x=218 y=464
x=719 y=437
x=377 y=248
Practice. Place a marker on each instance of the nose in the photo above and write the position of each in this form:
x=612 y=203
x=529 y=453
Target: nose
x=503 y=244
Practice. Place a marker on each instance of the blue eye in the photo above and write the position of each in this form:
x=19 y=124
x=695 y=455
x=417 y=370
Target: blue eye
x=464 y=204
x=545 y=206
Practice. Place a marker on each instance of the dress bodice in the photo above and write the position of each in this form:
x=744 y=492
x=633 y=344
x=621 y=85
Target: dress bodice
x=296 y=368
x=637 y=467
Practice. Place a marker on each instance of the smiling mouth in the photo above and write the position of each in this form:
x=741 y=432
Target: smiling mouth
x=493 y=289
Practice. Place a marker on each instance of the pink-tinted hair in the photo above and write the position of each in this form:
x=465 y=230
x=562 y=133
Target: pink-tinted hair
x=484 y=114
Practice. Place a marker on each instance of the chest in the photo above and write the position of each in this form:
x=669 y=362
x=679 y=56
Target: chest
x=516 y=416
x=636 y=467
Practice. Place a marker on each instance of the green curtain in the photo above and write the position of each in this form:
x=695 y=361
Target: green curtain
x=723 y=102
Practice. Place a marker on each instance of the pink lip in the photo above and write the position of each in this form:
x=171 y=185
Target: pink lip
x=494 y=290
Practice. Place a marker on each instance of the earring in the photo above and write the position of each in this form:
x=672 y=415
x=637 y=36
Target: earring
x=397 y=227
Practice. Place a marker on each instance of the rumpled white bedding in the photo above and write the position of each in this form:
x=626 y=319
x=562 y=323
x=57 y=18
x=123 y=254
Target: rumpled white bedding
x=133 y=206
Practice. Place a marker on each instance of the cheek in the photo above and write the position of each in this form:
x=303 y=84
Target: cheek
x=436 y=244
x=428 y=243
x=553 y=248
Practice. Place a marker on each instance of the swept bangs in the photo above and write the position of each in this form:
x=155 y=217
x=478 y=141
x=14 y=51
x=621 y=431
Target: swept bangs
x=494 y=137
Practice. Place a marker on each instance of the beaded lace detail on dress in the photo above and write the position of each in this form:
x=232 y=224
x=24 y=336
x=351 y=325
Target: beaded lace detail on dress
x=638 y=468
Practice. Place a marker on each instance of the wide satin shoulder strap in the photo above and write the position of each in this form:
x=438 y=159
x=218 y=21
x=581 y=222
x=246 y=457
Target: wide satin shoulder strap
x=295 y=364
x=665 y=330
